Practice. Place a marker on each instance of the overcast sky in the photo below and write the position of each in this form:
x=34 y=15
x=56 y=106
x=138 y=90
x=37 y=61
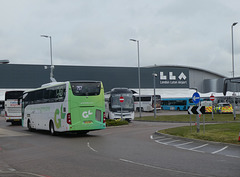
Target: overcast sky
x=195 y=33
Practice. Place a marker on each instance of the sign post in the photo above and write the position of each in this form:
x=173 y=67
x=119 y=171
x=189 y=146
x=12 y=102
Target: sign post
x=234 y=112
x=196 y=99
x=199 y=110
x=121 y=99
x=212 y=98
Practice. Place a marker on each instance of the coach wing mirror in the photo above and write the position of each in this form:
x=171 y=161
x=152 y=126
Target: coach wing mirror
x=109 y=101
x=19 y=100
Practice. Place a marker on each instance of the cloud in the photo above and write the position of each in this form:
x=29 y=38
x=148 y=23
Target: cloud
x=186 y=32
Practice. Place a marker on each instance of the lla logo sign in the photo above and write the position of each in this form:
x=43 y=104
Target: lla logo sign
x=174 y=78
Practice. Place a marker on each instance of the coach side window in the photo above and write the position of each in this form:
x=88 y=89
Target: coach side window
x=60 y=91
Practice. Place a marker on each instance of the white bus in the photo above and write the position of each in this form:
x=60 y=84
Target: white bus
x=147 y=102
x=116 y=109
x=13 y=111
x=71 y=106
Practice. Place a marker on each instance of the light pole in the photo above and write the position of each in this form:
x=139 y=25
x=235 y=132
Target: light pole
x=139 y=77
x=154 y=88
x=233 y=47
x=52 y=67
x=234 y=112
x=4 y=61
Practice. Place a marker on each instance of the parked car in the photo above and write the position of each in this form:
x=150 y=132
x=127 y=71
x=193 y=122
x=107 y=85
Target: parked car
x=224 y=108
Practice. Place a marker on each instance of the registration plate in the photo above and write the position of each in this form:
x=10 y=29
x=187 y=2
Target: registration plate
x=87 y=122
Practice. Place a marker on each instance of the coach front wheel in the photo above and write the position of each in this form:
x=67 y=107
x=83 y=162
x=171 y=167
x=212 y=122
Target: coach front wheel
x=51 y=128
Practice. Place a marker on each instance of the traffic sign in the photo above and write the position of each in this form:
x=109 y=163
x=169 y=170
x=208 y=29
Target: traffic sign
x=196 y=110
x=212 y=98
x=196 y=97
x=121 y=99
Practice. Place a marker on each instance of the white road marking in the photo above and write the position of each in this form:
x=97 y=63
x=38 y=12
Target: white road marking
x=163 y=140
x=15 y=173
x=171 y=141
x=88 y=144
x=198 y=147
x=160 y=168
x=233 y=156
x=220 y=150
x=159 y=140
x=183 y=144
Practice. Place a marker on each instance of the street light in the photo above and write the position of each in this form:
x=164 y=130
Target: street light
x=4 y=61
x=233 y=47
x=234 y=112
x=154 y=88
x=139 y=79
x=52 y=67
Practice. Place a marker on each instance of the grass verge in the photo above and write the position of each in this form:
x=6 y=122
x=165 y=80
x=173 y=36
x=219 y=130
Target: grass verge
x=186 y=118
x=225 y=132
x=226 y=129
x=111 y=122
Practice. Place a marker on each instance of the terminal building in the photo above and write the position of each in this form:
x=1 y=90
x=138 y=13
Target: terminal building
x=170 y=81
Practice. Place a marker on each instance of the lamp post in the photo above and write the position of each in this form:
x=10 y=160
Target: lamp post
x=233 y=47
x=139 y=77
x=234 y=112
x=154 y=88
x=52 y=67
x=4 y=61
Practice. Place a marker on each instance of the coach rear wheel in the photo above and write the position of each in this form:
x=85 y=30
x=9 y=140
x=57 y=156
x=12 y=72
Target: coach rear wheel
x=51 y=128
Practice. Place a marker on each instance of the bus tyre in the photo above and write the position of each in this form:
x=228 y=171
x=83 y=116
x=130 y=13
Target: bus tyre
x=51 y=128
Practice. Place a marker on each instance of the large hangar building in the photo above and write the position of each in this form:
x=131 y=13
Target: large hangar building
x=170 y=79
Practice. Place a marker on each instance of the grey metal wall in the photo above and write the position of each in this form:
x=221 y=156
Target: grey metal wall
x=33 y=76
x=205 y=81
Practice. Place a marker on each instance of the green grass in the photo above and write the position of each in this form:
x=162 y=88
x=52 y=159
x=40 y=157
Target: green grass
x=225 y=130
x=186 y=118
x=111 y=122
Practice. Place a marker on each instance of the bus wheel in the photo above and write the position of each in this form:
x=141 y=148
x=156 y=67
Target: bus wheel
x=29 y=125
x=51 y=128
x=178 y=109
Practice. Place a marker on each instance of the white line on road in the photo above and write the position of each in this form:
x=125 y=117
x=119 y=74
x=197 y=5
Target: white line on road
x=183 y=144
x=233 y=156
x=220 y=150
x=159 y=137
x=198 y=147
x=88 y=144
x=17 y=173
x=171 y=141
x=160 y=168
x=163 y=139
